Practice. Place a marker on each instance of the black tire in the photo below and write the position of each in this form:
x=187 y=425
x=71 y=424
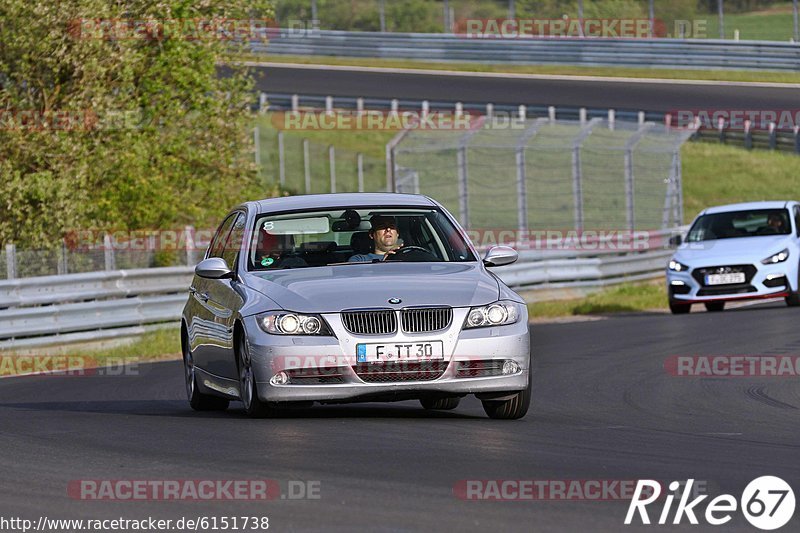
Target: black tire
x=253 y=405
x=714 y=307
x=679 y=309
x=793 y=300
x=442 y=404
x=512 y=409
x=198 y=400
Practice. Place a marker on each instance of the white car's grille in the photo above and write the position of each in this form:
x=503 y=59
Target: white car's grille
x=425 y=320
x=379 y=322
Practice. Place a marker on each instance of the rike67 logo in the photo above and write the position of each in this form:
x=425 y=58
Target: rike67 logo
x=767 y=503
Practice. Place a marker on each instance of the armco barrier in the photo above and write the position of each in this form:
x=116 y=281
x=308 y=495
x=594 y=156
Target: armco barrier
x=665 y=53
x=99 y=305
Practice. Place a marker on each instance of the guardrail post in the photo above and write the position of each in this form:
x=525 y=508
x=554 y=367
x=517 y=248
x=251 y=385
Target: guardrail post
x=641 y=117
x=523 y=113
x=191 y=245
x=395 y=105
x=426 y=108
x=295 y=103
x=11 y=261
x=582 y=116
x=108 y=251
x=307 y=165
x=360 y=106
x=360 y=167
x=551 y=114
x=262 y=102
x=721 y=129
x=797 y=139
x=748 y=135
x=489 y=110
x=773 y=136
x=332 y=165
x=611 y=119
x=329 y=105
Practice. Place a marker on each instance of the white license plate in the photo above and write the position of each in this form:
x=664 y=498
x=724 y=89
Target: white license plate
x=725 y=279
x=400 y=351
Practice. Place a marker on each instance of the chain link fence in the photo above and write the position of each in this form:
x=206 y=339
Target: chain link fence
x=544 y=174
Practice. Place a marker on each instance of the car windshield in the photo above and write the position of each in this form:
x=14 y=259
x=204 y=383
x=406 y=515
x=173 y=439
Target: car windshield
x=343 y=237
x=750 y=223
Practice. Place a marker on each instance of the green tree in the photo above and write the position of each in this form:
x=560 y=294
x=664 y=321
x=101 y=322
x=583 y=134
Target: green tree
x=106 y=128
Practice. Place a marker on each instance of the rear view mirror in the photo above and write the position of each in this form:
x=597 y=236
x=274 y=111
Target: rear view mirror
x=676 y=240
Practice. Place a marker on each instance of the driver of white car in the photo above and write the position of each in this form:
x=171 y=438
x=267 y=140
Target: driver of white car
x=385 y=239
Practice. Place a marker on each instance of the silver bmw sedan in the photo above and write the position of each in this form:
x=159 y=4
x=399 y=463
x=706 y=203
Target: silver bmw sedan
x=352 y=297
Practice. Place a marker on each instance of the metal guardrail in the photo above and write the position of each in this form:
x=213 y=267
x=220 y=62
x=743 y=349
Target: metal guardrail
x=665 y=53
x=88 y=307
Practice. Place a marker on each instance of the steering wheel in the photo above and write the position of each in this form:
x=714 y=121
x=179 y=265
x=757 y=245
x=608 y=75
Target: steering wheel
x=402 y=254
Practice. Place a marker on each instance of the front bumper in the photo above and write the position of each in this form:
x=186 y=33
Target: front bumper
x=762 y=281
x=333 y=359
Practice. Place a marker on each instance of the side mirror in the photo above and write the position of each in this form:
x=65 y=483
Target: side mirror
x=675 y=240
x=499 y=256
x=213 y=268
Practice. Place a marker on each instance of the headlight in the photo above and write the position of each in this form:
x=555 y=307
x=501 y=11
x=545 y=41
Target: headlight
x=286 y=323
x=677 y=267
x=780 y=257
x=496 y=314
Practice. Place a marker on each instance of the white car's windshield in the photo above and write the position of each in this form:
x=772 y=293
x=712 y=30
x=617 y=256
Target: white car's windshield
x=347 y=236
x=734 y=224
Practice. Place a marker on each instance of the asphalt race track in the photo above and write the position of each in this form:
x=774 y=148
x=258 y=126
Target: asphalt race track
x=660 y=96
x=603 y=408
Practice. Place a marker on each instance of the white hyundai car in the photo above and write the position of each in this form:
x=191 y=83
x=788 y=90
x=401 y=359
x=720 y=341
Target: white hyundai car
x=737 y=252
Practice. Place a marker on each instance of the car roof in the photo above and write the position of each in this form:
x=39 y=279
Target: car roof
x=336 y=200
x=747 y=205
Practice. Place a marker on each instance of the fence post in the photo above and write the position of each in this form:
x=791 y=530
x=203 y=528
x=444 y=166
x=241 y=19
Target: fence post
x=463 y=199
x=257 y=150
x=360 y=166
x=62 y=258
x=522 y=192
x=108 y=252
x=332 y=165
x=281 y=160
x=191 y=245
x=307 y=165
x=382 y=14
x=11 y=261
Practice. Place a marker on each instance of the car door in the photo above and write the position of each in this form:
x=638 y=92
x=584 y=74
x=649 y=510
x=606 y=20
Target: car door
x=202 y=326
x=223 y=303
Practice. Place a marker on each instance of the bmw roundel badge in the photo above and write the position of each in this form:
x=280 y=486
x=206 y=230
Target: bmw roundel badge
x=395 y=300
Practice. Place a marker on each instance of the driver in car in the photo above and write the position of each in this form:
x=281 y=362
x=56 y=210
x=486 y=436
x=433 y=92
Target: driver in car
x=385 y=239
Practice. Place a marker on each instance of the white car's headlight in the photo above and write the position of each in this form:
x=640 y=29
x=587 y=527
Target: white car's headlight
x=287 y=323
x=496 y=314
x=780 y=257
x=675 y=266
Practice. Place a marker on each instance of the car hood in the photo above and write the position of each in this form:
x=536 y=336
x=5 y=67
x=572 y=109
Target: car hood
x=731 y=251
x=333 y=288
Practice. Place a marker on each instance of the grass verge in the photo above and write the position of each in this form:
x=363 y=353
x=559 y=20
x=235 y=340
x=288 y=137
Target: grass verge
x=555 y=70
x=625 y=298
